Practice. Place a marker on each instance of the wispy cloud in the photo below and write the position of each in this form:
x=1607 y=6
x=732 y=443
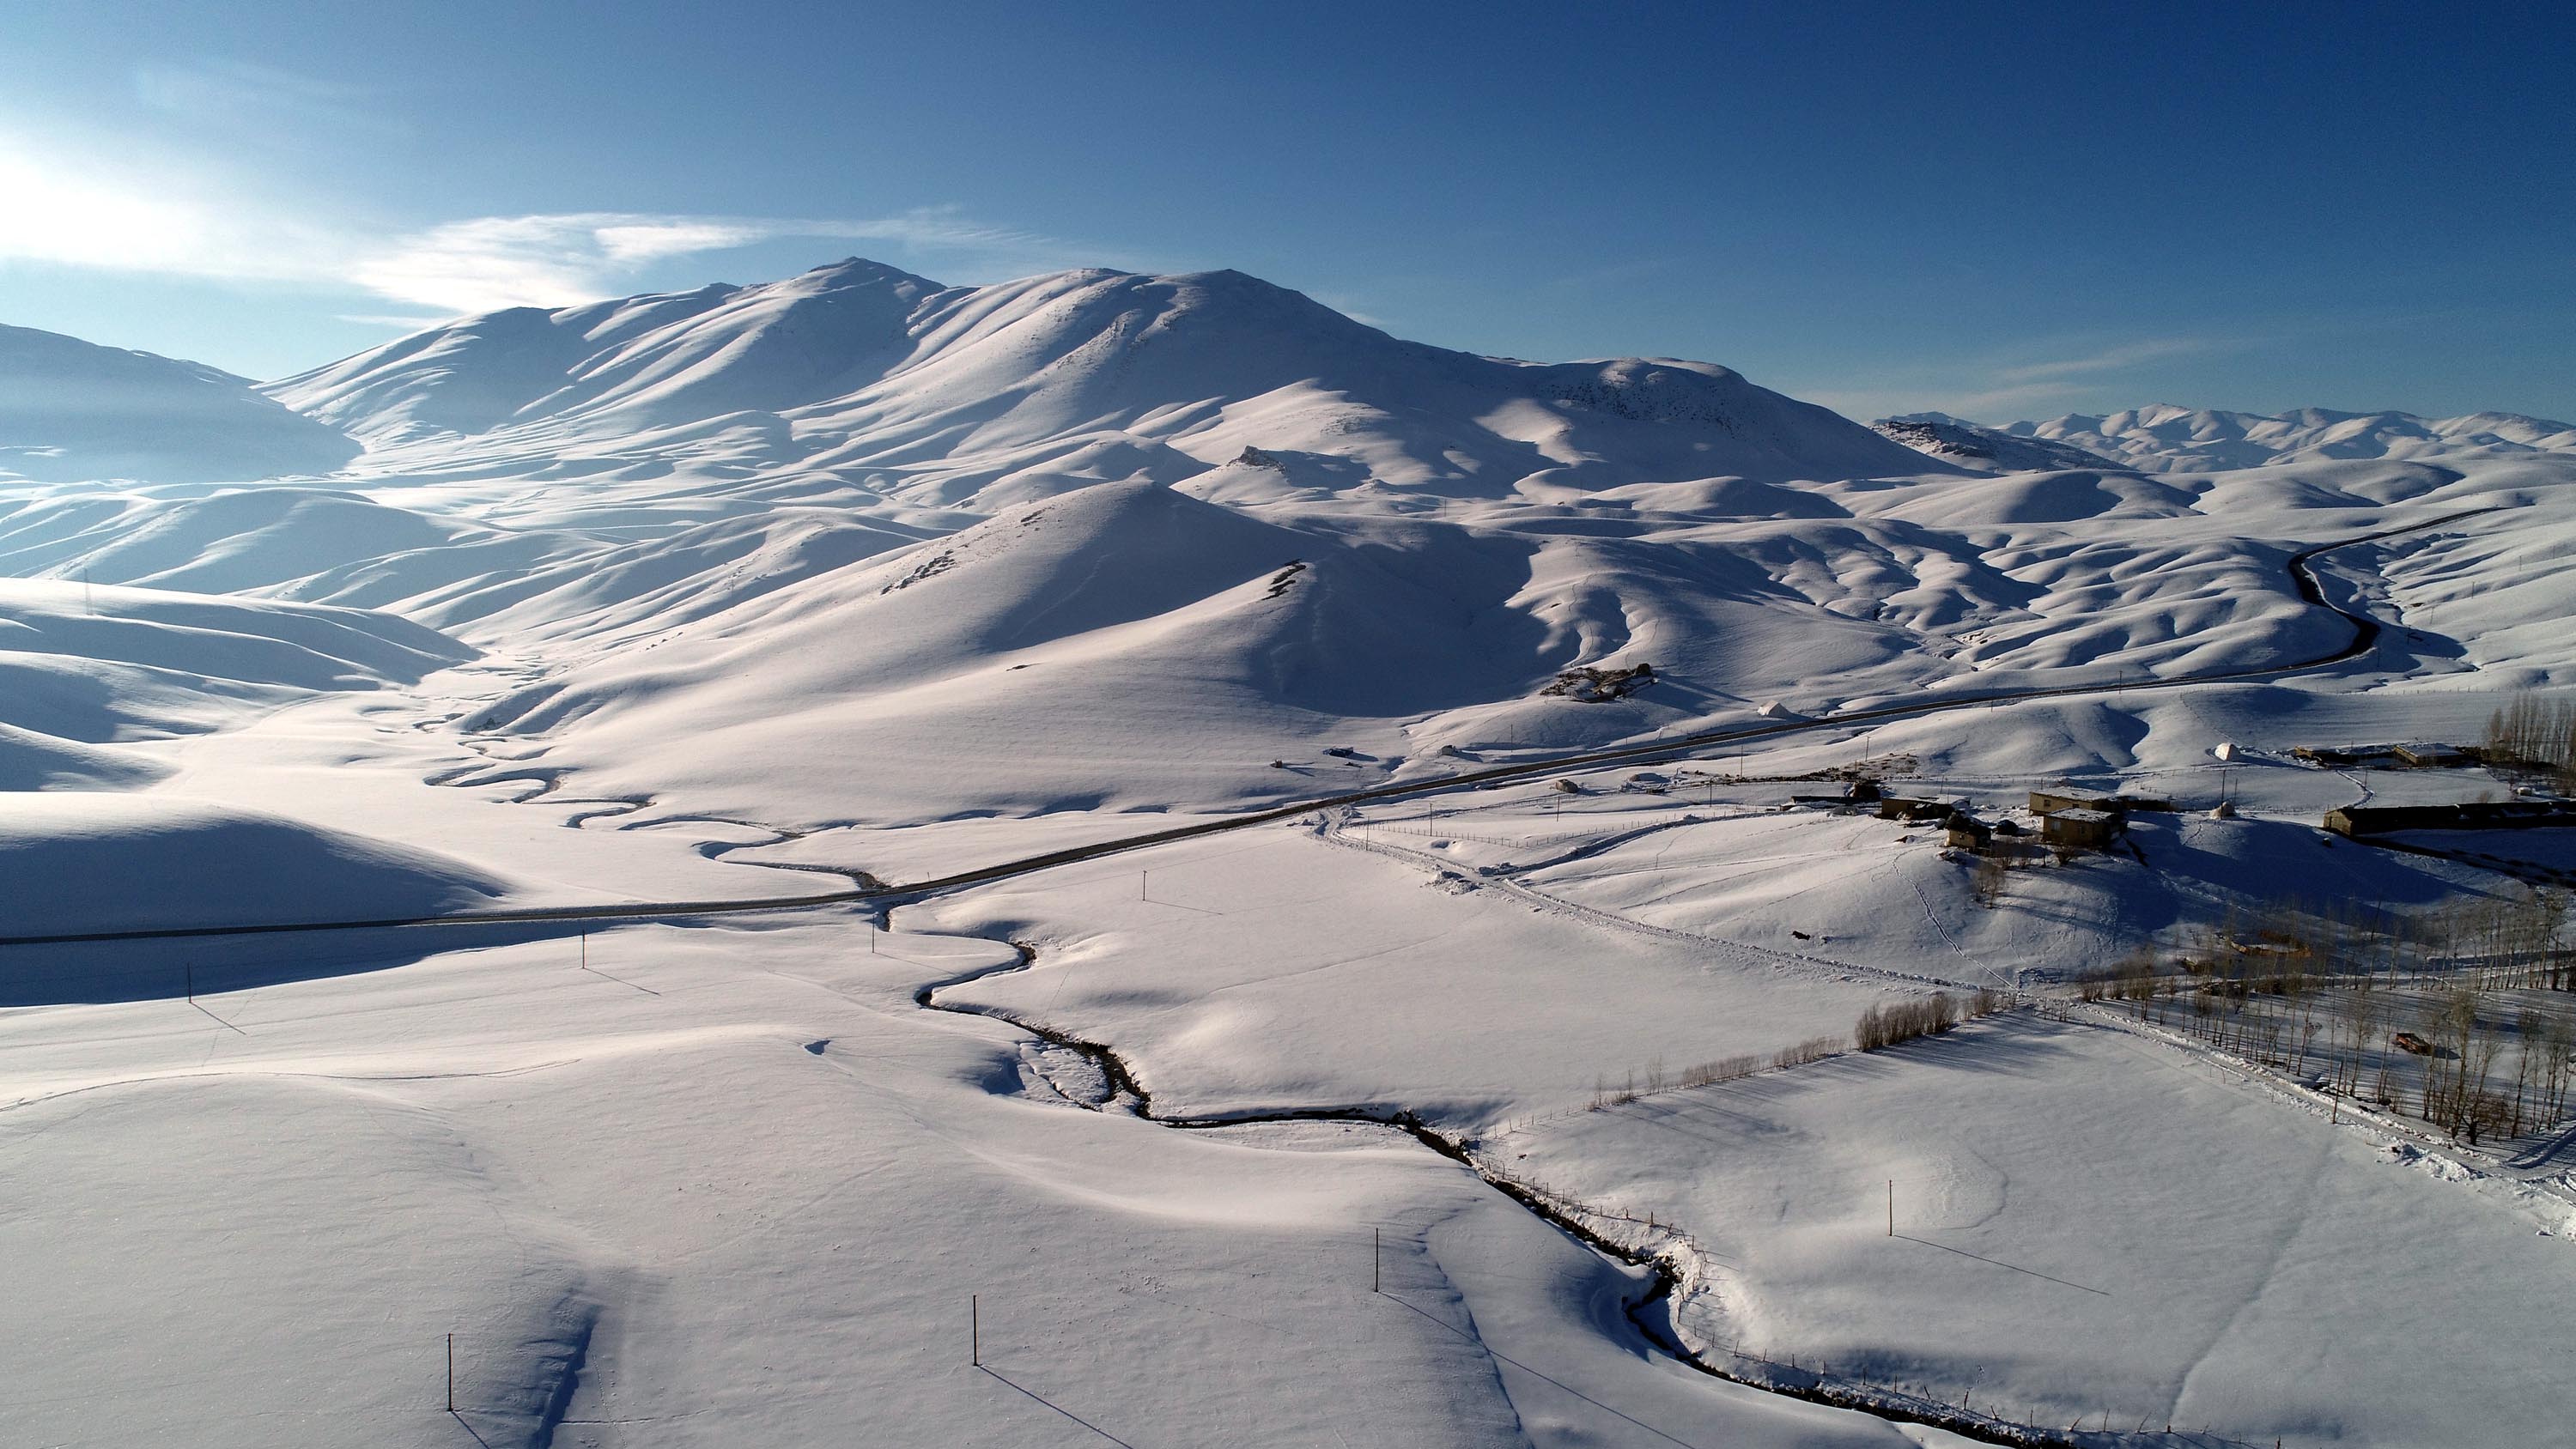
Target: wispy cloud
x=2109 y=359
x=65 y=211
x=234 y=94
x=1998 y=392
x=560 y=259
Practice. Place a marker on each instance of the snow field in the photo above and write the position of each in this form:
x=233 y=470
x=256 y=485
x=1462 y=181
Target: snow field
x=2163 y=1245
x=862 y=573
x=1271 y=970
x=2088 y=1223
x=259 y=1233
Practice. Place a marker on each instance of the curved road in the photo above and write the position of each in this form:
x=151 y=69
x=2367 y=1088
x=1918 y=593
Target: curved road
x=2366 y=632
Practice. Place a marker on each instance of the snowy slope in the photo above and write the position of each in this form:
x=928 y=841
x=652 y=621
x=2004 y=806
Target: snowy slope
x=95 y=861
x=909 y=550
x=2164 y=438
x=858 y=364
x=72 y=410
x=1988 y=450
x=107 y=664
x=853 y=571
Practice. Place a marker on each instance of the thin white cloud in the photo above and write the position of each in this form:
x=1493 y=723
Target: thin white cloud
x=2110 y=359
x=562 y=259
x=68 y=211
x=77 y=216
x=239 y=95
x=634 y=241
x=2022 y=390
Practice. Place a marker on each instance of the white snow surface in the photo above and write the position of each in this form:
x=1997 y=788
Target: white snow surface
x=743 y=593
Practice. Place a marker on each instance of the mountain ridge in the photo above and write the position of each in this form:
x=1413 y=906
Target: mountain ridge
x=860 y=365
x=2166 y=438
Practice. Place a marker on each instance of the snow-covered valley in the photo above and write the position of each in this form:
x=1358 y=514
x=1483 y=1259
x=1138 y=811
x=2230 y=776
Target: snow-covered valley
x=1130 y=857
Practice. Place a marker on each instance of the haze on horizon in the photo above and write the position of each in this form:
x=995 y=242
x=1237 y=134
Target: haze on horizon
x=2016 y=214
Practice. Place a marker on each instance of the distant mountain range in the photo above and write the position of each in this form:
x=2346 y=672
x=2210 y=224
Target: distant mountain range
x=983 y=396
x=855 y=545
x=2168 y=439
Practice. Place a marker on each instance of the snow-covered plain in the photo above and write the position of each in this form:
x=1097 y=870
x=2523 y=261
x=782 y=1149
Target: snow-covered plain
x=782 y=590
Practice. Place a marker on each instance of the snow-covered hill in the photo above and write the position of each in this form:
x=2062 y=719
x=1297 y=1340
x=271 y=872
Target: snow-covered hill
x=1095 y=537
x=2168 y=439
x=1988 y=450
x=952 y=389
x=72 y=410
x=635 y=607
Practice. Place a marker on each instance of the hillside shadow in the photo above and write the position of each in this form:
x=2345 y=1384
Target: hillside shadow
x=103 y=972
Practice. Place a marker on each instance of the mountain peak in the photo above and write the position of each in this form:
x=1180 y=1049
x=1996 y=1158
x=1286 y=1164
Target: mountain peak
x=857 y=359
x=863 y=272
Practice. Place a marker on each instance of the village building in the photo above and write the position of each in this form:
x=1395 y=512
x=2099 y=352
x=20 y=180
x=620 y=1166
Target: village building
x=2082 y=829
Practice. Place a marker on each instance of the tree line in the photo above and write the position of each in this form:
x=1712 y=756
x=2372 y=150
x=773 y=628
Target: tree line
x=2441 y=1015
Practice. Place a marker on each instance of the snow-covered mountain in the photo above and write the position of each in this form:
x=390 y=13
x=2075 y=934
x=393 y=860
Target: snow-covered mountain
x=1988 y=450
x=72 y=410
x=947 y=390
x=737 y=596
x=2167 y=439
x=1096 y=538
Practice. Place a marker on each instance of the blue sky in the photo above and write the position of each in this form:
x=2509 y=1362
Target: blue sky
x=1999 y=211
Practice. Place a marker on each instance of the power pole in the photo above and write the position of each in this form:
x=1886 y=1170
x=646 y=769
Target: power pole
x=1376 y=1243
x=451 y=1373
x=975 y=1330
x=1891 y=1207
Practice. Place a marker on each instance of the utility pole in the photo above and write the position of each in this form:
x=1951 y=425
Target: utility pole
x=451 y=1373
x=975 y=1330
x=1376 y=1246
x=1891 y=1207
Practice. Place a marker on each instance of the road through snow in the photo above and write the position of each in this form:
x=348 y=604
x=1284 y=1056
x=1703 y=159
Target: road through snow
x=2366 y=632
